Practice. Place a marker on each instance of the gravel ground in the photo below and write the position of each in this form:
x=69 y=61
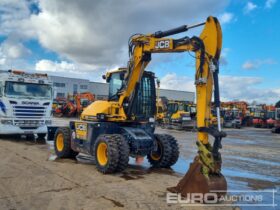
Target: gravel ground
x=30 y=180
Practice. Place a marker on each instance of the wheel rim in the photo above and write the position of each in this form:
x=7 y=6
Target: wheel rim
x=156 y=155
x=102 y=154
x=60 y=142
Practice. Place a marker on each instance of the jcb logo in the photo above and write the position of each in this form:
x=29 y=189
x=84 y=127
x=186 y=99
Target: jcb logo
x=162 y=44
x=81 y=131
x=81 y=127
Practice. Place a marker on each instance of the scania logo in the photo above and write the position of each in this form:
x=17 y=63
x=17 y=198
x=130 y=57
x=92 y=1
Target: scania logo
x=30 y=103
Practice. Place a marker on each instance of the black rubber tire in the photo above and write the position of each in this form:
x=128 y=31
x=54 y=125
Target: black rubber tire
x=112 y=144
x=175 y=150
x=67 y=152
x=123 y=152
x=41 y=135
x=169 y=153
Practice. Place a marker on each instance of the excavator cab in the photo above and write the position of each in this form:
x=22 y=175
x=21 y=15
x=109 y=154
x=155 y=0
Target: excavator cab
x=143 y=106
x=115 y=80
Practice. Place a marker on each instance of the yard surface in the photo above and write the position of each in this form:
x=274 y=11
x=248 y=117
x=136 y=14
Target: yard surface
x=31 y=179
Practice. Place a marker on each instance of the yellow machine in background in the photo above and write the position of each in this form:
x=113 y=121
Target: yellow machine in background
x=123 y=126
x=161 y=110
x=161 y=105
x=179 y=115
x=214 y=120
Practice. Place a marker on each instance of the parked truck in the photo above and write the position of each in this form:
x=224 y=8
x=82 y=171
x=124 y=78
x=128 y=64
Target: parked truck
x=25 y=103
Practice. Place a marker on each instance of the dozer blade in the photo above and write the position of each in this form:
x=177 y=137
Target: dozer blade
x=195 y=181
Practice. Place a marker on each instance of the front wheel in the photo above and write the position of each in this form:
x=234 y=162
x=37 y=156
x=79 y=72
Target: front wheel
x=62 y=143
x=167 y=152
x=111 y=153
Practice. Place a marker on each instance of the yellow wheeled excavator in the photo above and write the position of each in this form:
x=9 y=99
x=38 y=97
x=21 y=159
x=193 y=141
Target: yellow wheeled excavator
x=124 y=125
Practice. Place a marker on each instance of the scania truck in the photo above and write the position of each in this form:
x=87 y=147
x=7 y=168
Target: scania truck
x=25 y=103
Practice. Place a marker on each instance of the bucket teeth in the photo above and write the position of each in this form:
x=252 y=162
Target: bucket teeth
x=195 y=181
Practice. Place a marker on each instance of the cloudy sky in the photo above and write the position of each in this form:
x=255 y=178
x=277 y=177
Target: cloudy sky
x=85 y=38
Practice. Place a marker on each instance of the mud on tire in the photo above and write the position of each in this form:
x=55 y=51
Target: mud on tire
x=167 y=153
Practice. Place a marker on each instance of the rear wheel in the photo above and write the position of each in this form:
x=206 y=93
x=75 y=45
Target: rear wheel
x=106 y=149
x=62 y=143
x=167 y=152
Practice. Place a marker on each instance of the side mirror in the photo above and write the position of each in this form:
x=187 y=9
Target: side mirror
x=103 y=76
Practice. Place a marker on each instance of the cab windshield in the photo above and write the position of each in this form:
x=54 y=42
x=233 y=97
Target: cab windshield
x=174 y=107
x=20 y=89
x=116 y=82
x=184 y=107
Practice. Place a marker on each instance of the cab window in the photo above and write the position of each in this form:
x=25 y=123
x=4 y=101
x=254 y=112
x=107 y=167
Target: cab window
x=172 y=108
x=115 y=85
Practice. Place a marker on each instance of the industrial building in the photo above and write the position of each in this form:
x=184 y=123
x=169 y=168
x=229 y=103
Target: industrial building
x=66 y=85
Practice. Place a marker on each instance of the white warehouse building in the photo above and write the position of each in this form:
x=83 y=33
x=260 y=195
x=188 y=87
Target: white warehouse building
x=66 y=85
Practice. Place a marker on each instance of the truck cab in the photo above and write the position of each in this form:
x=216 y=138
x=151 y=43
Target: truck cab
x=25 y=103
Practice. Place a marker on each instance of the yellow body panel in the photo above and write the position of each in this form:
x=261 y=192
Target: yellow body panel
x=110 y=108
x=178 y=114
x=212 y=38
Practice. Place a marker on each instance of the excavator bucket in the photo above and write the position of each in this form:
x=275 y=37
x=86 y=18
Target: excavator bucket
x=195 y=181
